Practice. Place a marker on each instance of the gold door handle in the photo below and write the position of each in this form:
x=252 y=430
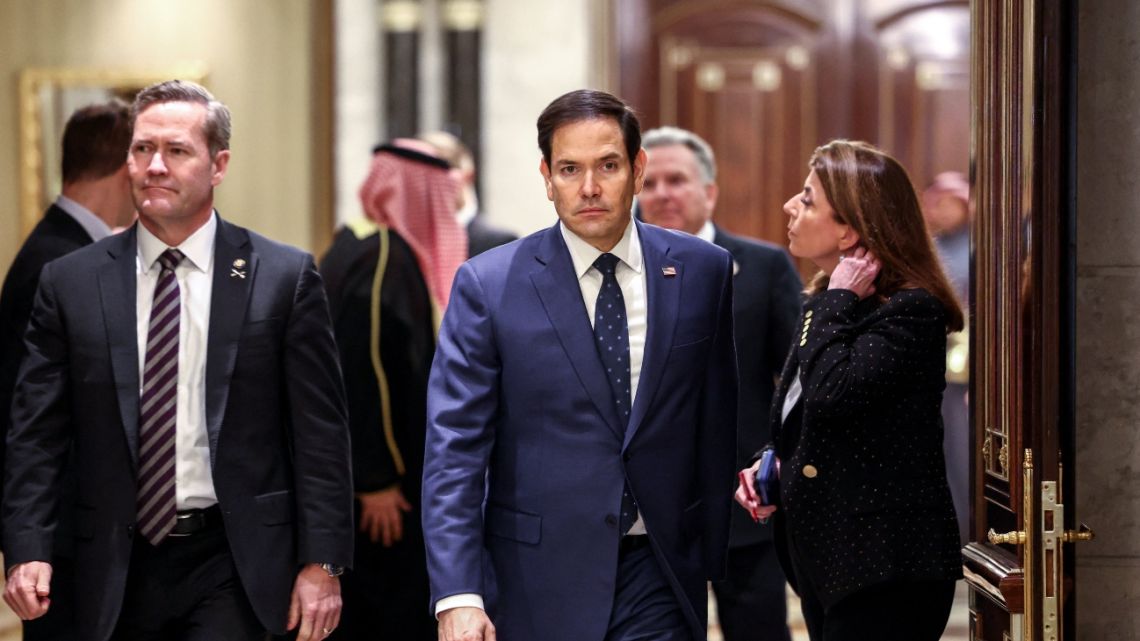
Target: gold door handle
x=1085 y=533
x=1015 y=538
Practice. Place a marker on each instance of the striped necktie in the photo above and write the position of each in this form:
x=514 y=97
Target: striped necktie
x=158 y=407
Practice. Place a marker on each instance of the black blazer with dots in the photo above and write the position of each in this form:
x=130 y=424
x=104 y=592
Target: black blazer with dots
x=863 y=493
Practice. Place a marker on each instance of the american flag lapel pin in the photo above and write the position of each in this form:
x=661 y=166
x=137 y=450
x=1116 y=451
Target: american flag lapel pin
x=669 y=271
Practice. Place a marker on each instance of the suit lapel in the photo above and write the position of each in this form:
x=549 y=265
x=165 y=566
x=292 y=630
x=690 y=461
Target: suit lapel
x=662 y=298
x=228 y=301
x=558 y=288
x=118 y=282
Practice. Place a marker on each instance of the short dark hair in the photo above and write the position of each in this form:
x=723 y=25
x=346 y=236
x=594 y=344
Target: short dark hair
x=217 y=114
x=588 y=104
x=96 y=139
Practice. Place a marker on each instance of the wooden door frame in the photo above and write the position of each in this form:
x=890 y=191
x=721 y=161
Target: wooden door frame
x=1022 y=346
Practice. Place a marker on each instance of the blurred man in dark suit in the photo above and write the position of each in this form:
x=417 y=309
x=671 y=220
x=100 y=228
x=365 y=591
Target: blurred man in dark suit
x=481 y=235
x=95 y=200
x=680 y=193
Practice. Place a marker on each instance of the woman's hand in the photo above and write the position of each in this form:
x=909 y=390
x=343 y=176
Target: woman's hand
x=856 y=272
x=746 y=495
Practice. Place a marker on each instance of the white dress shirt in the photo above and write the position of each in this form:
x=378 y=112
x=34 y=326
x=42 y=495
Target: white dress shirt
x=707 y=232
x=194 y=485
x=92 y=224
x=630 y=274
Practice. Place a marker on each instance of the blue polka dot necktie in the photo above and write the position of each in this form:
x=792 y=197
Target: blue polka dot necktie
x=611 y=336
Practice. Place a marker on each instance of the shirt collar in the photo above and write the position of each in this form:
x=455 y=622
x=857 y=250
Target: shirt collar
x=707 y=232
x=92 y=224
x=583 y=254
x=198 y=248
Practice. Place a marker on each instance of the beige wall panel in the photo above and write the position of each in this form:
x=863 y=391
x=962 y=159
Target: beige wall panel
x=530 y=58
x=257 y=53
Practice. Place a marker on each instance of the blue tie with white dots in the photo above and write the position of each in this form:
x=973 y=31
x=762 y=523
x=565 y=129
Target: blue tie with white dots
x=611 y=333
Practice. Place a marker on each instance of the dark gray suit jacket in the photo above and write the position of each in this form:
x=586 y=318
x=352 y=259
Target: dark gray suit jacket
x=275 y=416
x=766 y=292
x=57 y=234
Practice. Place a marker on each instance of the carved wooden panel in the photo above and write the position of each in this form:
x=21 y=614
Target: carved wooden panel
x=765 y=83
x=924 y=88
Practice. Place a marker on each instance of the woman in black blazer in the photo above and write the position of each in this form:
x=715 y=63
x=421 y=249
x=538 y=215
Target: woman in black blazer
x=866 y=526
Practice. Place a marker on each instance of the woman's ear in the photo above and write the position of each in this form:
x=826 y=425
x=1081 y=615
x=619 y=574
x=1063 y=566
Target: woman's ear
x=848 y=239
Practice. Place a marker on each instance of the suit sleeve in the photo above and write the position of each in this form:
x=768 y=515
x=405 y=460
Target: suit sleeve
x=40 y=434
x=717 y=456
x=843 y=362
x=462 y=403
x=322 y=467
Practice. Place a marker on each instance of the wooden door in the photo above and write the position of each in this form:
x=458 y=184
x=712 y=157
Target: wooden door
x=767 y=82
x=1019 y=565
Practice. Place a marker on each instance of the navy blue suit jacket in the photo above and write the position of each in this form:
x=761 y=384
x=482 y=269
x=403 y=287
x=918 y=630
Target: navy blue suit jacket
x=526 y=460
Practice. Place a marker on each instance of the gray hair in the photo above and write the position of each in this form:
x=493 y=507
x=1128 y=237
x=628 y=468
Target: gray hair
x=668 y=136
x=217 y=126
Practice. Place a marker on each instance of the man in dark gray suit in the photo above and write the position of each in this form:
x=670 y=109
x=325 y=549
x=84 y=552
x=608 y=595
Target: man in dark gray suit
x=680 y=193
x=189 y=366
x=95 y=200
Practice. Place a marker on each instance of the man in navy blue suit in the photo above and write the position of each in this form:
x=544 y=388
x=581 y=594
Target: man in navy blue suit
x=582 y=412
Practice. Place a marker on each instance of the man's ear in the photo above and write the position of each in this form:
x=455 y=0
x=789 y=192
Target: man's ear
x=639 y=162
x=544 y=169
x=711 y=194
x=221 y=164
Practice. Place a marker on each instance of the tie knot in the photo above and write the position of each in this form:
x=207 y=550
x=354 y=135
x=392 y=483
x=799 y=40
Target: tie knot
x=170 y=259
x=606 y=263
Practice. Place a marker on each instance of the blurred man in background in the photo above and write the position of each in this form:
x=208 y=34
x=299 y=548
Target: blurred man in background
x=481 y=236
x=946 y=207
x=94 y=202
x=388 y=276
x=680 y=193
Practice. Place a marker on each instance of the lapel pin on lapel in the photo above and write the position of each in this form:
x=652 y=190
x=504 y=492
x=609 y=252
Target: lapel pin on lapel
x=238 y=270
x=669 y=272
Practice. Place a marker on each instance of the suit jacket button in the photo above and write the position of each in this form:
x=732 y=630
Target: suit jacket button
x=810 y=471
x=625 y=457
x=611 y=520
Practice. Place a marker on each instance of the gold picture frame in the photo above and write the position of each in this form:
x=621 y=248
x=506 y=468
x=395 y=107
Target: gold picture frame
x=47 y=97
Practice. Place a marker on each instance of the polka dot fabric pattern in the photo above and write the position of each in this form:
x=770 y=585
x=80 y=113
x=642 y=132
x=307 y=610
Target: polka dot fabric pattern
x=863 y=484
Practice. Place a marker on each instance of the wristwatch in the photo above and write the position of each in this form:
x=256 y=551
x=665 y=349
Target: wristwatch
x=333 y=569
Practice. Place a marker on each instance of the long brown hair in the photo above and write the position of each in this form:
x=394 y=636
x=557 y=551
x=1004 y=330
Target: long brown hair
x=870 y=191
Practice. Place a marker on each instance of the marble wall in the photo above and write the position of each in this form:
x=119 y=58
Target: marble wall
x=1107 y=332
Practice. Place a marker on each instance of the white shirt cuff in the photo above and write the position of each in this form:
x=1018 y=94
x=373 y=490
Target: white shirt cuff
x=458 y=601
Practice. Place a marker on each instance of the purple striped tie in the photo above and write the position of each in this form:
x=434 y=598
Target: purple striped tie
x=159 y=406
